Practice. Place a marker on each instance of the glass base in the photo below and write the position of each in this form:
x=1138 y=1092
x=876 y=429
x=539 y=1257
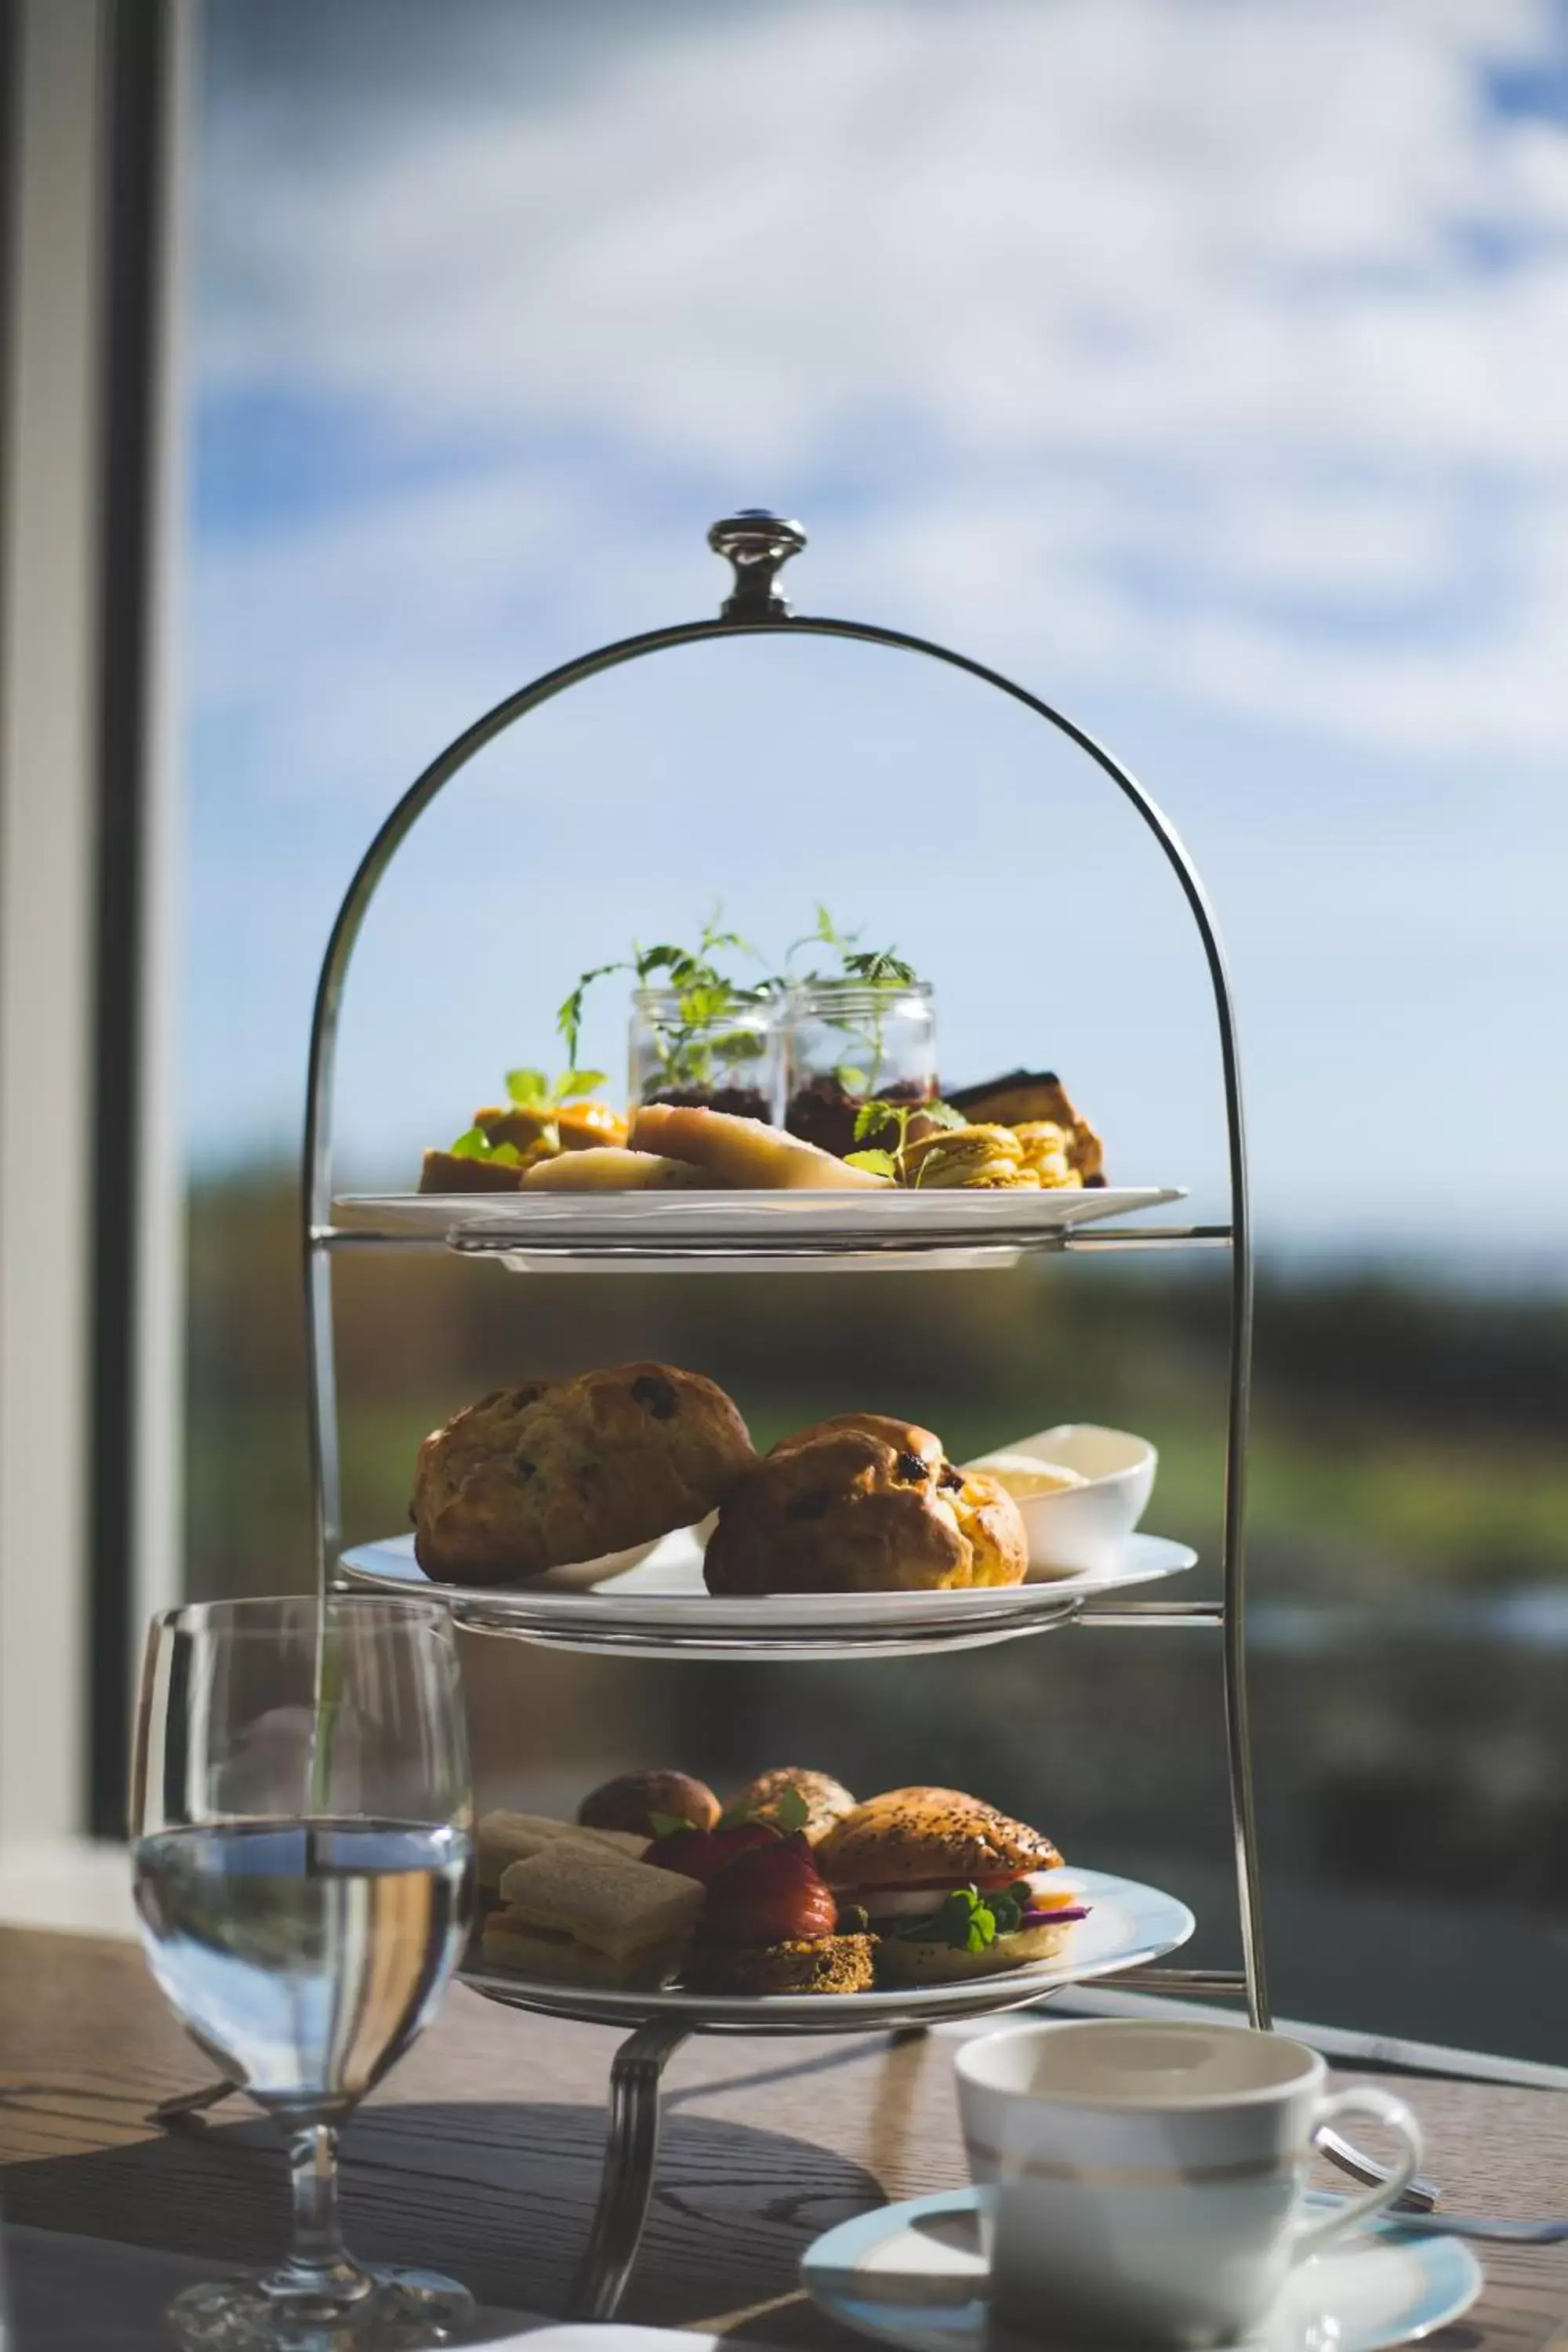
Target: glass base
x=399 y=2311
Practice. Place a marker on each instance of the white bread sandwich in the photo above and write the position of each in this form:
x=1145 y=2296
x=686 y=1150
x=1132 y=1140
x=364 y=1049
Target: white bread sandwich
x=579 y=1915
x=504 y=1838
x=950 y=1886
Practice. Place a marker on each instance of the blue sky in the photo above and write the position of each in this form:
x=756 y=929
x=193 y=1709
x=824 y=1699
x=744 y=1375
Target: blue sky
x=1201 y=362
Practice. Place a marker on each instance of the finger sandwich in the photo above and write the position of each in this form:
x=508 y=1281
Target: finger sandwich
x=505 y=1838
x=581 y=1915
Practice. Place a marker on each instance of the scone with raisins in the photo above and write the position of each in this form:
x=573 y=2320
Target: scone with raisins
x=864 y=1504
x=557 y=1471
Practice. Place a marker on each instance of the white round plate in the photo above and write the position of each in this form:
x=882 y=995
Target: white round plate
x=532 y=1231
x=662 y=1608
x=1127 y=1926
x=912 y=2274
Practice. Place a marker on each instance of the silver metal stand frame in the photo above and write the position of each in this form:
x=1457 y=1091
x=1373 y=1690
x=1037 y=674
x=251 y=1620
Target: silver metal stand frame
x=757 y=544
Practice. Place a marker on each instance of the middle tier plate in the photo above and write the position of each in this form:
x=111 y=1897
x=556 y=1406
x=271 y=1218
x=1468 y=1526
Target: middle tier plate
x=661 y=1608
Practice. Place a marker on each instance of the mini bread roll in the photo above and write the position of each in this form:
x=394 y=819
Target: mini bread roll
x=742 y=1154
x=627 y=1804
x=827 y=1800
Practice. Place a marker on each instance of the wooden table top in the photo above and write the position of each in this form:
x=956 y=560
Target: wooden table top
x=481 y=2155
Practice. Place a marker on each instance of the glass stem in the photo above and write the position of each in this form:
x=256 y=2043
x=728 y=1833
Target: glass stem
x=317 y=2263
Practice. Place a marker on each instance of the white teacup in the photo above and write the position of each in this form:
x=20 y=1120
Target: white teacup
x=1146 y=2180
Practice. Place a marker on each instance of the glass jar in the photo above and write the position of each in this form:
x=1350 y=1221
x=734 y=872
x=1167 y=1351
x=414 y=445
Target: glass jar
x=685 y=1048
x=850 y=1041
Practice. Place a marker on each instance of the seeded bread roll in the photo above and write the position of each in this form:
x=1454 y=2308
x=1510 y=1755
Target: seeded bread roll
x=918 y=1837
x=847 y=1508
x=558 y=1471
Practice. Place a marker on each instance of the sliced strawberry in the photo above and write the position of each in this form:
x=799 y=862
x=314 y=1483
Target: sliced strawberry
x=774 y=1895
x=702 y=1854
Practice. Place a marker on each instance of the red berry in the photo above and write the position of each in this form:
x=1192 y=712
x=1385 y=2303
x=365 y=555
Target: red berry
x=775 y=1894
x=702 y=1854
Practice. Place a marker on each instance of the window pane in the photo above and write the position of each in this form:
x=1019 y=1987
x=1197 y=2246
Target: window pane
x=1196 y=366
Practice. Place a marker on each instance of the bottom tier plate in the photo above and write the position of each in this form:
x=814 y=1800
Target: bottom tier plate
x=1127 y=1926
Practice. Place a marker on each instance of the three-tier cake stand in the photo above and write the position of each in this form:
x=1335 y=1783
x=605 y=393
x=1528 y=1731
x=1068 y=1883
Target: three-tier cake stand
x=560 y=1230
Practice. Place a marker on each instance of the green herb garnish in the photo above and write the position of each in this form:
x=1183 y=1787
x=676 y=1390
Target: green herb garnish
x=665 y=1825
x=475 y=1144
x=789 y=1811
x=880 y=1118
x=968 y=1921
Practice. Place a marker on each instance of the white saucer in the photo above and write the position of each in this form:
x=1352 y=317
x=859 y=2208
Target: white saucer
x=912 y=2274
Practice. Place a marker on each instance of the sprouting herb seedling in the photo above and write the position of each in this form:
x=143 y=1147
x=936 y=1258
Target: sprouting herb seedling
x=535 y=1091
x=882 y=971
x=705 y=998
x=880 y=1118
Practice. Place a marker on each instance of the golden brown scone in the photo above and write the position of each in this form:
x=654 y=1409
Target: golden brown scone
x=827 y=1800
x=912 y=1836
x=557 y=1471
x=448 y=1171
x=969 y=1159
x=904 y=1434
x=847 y=1510
x=610 y=1168
x=744 y=1154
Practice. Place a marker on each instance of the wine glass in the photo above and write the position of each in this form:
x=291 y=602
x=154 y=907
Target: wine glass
x=301 y=1819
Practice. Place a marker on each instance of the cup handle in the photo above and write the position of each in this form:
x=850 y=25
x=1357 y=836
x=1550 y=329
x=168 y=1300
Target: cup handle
x=1362 y=2099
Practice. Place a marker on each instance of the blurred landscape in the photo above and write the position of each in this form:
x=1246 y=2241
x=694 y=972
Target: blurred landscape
x=1408 y=1549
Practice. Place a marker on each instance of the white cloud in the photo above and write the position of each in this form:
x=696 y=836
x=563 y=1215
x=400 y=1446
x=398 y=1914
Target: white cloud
x=1209 y=278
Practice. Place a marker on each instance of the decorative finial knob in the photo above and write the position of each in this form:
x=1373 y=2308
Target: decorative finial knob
x=759 y=544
